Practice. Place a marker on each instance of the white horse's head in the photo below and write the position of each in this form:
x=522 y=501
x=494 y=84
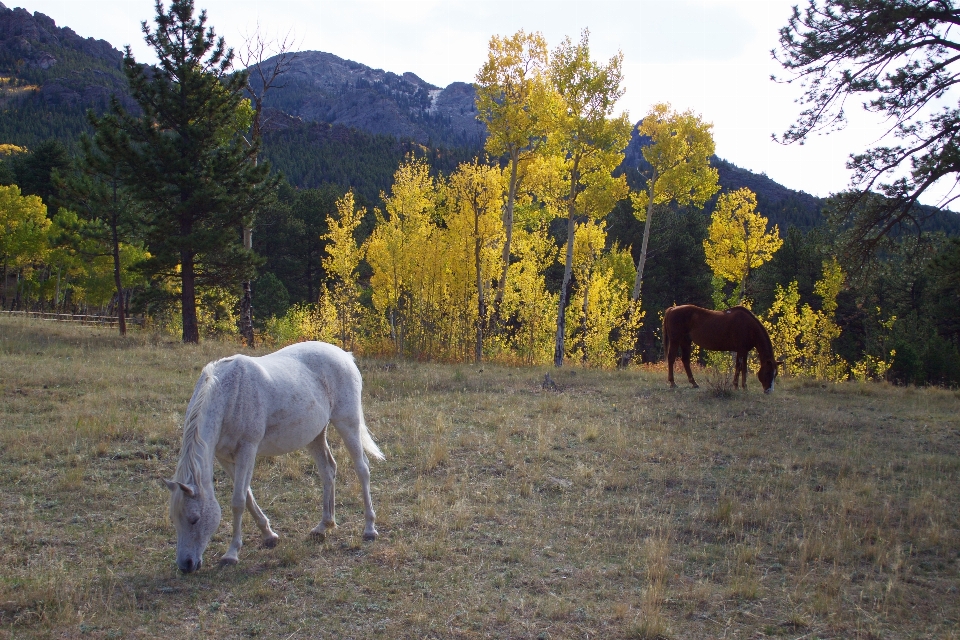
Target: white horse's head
x=196 y=516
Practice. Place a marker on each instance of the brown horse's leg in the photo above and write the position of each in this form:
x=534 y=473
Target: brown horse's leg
x=738 y=366
x=671 y=358
x=685 y=356
x=743 y=370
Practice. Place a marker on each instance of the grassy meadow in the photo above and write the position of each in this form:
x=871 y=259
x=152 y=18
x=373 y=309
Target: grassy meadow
x=606 y=506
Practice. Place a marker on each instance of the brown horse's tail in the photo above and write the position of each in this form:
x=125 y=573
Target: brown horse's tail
x=664 y=334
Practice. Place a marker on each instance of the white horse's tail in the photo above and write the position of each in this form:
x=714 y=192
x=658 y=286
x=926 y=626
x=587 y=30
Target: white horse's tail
x=367 y=441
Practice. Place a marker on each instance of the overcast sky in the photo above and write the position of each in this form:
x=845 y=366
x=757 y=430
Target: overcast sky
x=712 y=56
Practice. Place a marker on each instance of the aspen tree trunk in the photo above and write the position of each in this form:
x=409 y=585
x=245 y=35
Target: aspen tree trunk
x=746 y=268
x=508 y=230
x=246 y=304
x=628 y=355
x=584 y=320
x=646 y=238
x=558 y=343
x=481 y=302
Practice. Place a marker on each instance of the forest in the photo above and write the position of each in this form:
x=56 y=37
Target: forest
x=544 y=246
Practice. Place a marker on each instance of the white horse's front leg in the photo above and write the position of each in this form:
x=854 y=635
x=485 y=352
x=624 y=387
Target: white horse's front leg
x=242 y=474
x=270 y=538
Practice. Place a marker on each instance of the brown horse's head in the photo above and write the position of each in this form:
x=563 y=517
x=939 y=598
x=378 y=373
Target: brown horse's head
x=768 y=373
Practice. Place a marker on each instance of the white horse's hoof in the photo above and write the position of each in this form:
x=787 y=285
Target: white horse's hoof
x=319 y=532
x=270 y=541
x=227 y=561
x=370 y=536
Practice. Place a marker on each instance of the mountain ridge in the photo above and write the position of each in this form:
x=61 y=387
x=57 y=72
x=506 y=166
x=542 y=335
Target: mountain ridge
x=324 y=87
x=50 y=76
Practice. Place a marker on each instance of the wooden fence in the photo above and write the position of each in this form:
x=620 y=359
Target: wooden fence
x=89 y=320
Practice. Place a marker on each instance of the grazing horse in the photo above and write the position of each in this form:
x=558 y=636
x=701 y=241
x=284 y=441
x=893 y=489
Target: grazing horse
x=243 y=408
x=735 y=329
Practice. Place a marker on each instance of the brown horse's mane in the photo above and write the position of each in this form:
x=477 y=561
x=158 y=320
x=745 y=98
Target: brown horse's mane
x=764 y=345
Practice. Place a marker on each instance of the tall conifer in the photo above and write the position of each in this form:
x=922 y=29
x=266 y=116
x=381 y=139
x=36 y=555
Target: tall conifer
x=185 y=158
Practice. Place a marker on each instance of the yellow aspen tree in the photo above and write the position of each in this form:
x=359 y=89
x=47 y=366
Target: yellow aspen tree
x=23 y=230
x=601 y=296
x=590 y=140
x=872 y=367
x=475 y=201
x=433 y=327
x=802 y=336
x=514 y=101
x=589 y=239
x=341 y=262
x=819 y=329
x=782 y=321
x=394 y=248
x=527 y=301
x=738 y=240
x=98 y=281
x=679 y=155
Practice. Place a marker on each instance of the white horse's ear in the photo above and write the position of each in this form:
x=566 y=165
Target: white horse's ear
x=187 y=489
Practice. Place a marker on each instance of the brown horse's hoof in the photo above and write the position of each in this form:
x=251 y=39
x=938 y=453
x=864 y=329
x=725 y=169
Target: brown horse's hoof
x=696 y=386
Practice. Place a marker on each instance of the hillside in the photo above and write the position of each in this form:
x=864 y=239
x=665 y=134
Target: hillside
x=50 y=76
x=782 y=206
x=332 y=120
x=310 y=154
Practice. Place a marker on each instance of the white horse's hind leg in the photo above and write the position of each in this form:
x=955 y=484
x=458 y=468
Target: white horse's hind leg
x=320 y=451
x=349 y=429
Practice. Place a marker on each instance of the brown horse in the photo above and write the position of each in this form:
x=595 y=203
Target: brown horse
x=735 y=329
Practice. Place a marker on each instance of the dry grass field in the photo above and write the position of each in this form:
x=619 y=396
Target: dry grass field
x=608 y=506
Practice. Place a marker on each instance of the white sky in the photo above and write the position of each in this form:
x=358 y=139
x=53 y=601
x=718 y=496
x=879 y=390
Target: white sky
x=712 y=56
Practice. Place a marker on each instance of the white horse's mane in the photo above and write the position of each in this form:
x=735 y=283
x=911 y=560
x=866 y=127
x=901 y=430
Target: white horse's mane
x=193 y=450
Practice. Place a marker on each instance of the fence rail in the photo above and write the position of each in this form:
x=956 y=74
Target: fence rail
x=89 y=320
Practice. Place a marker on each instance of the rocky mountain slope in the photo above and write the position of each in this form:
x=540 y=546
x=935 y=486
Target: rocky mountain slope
x=321 y=87
x=50 y=76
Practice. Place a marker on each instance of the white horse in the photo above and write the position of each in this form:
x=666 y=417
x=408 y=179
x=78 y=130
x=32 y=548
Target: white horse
x=243 y=408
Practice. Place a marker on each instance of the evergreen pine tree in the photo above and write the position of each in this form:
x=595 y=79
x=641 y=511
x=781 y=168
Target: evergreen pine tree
x=187 y=163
